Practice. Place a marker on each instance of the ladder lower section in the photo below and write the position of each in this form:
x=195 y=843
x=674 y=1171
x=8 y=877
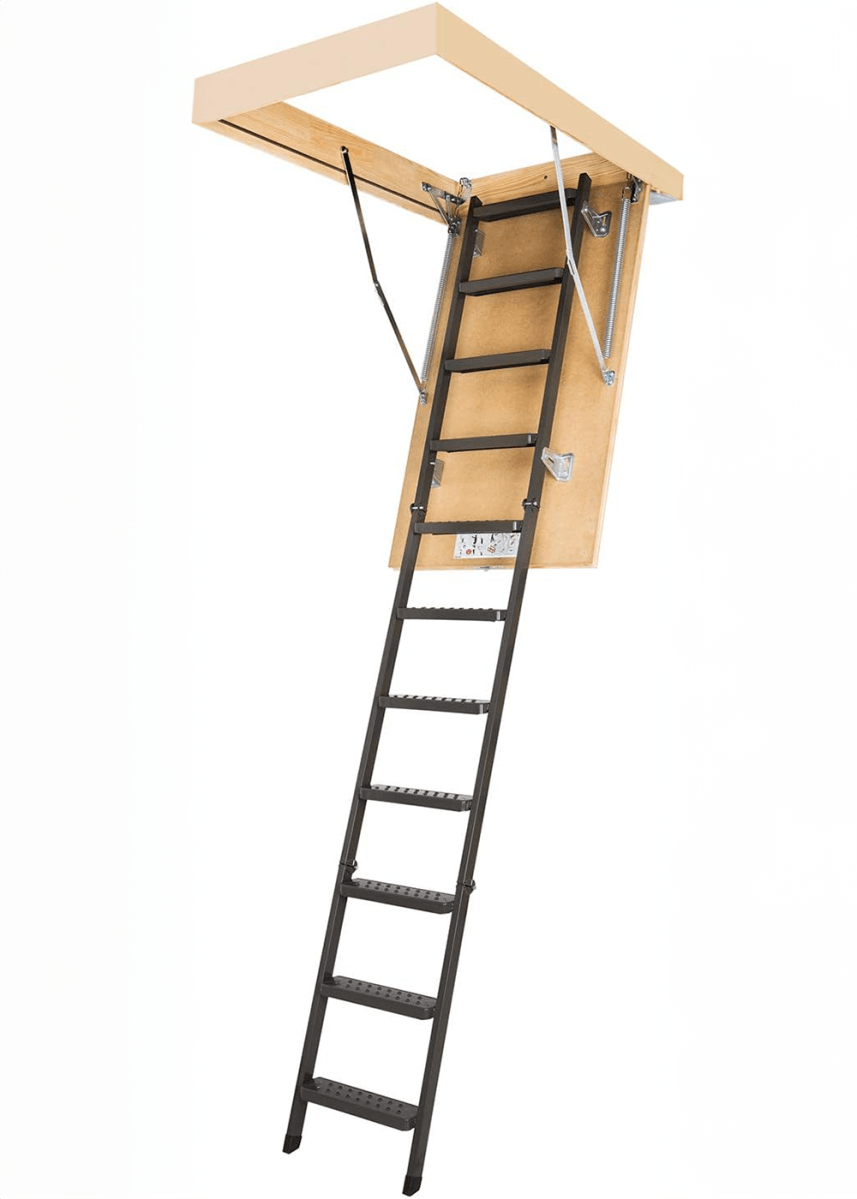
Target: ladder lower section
x=398 y=896
x=369 y=1105
x=366 y=1104
x=388 y=999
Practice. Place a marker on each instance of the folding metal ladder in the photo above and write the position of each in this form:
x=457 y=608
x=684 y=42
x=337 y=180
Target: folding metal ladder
x=454 y=904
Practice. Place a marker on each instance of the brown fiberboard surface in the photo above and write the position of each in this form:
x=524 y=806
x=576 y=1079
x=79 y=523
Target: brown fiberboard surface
x=492 y=484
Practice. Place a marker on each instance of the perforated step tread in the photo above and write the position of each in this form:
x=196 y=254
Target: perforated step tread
x=435 y=703
x=449 y=528
x=498 y=362
x=368 y=1105
x=398 y=895
x=387 y=999
x=522 y=281
x=489 y=614
x=412 y=796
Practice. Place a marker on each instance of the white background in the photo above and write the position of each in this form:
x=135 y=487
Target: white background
x=204 y=430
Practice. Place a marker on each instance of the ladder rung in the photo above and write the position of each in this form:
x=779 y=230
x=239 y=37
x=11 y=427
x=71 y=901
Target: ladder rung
x=366 y=1104
x=435 y=703
x=449 y=801
x=498 y=362
x=397 y=895
x=520 y=282
x=446 y=528
x=502 y=441
x=388 y=999
x=492 y=614
x=523 y=206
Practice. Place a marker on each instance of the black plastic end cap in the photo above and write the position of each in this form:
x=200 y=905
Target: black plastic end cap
x=291 y=1144
x=412 y=1184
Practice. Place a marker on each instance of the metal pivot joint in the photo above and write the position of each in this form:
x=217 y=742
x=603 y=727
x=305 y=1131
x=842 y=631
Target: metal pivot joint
x=447 y=204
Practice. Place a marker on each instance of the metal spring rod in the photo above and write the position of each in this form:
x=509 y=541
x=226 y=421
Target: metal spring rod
x=618 y=260
x=608 y=376
x=378 y=288
x=451 y=235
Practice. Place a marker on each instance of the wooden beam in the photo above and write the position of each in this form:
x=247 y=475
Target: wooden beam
x=301 y=138
x=469 y=50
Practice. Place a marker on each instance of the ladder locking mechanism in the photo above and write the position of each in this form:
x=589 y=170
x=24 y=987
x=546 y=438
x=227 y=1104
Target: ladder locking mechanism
x=559 y=465
x=448 y=205
x=468 y=886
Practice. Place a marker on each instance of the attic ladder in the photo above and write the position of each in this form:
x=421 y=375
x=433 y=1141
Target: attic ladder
x=322 y=1091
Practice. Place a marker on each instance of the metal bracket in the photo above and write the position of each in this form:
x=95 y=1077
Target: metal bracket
x=598 y=223
x=559 y=465
x=447 y=204
x=479 y=243
x=352 y=183
x=634 y=188
x=437 y=472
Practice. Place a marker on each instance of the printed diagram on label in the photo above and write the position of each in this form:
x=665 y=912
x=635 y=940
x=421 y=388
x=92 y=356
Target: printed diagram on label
x=486 y=545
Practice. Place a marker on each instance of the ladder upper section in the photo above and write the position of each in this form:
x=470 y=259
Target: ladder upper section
x=247 y=103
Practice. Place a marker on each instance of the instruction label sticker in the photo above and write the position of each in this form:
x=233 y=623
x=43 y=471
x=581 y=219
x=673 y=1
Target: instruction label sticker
x=486 y=545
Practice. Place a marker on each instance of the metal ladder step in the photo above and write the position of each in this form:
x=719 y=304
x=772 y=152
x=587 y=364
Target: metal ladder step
x=523 y=281
x=398 y=895
x=498 y=362
x=387 y=999
x=435 y=703
x=446 y=528
x=366 y=1104
x=492 y=614
x=501 y=441
x=523 y=206
x=449 y=801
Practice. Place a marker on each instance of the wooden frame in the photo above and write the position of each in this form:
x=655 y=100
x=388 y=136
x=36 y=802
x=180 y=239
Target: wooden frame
x=247 y=103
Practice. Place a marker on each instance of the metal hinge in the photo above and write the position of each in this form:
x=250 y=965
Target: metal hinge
x=447 y=204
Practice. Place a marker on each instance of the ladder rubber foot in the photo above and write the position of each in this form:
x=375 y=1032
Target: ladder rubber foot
x=413 y=1182
x=291 y=1144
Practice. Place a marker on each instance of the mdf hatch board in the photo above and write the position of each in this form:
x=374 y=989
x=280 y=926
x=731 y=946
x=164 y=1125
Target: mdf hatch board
x=479 y=485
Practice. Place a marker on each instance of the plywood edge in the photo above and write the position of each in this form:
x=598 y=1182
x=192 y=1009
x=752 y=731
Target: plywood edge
x=377 y=46
x=527 y=181
x=469 y=50
x=308 y=141
x=624 y=321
